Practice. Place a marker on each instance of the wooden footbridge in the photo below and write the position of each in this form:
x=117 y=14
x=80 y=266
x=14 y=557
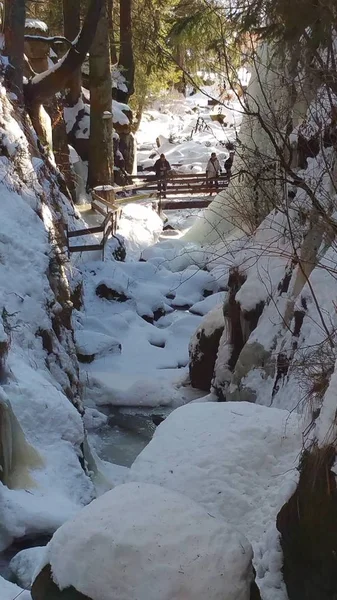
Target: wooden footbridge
x=109 y=200
x=181 y=184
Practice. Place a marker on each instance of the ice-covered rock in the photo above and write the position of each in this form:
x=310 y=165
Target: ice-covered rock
x=144 y=542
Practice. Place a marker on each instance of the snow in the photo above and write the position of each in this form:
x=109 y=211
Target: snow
x=118 y=113
x=10 y=591
x=187 y=130
x=152 y=371
x=140 y=226
x=205 y=306
x=211 y=321
x=118 y=79
x=36 y=24
x=238 y=461
x=95 y=343
x=80 y=115
x=171 y=548
x=55 y=67
x=26 y=565
x=45 y=431
x=176 y=255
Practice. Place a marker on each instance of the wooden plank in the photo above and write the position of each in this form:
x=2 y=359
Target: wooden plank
x=108 y=231
x=134 y=199
x=125 y=188
x=80 y=232
x=167 y=205
x=107 y=203
x=177 y=175
x=98 y=208
x=184 y=184
x=88 y=248
x=194 y=192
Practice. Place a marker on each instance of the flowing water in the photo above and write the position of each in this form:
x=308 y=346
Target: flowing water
x=126 y=433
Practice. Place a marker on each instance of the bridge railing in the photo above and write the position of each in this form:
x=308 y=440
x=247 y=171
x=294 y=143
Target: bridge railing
x=105 y=202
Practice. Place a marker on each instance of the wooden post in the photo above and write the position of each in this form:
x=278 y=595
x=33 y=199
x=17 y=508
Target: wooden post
x=159 y=204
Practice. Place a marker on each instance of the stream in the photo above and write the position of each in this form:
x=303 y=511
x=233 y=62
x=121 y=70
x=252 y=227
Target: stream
x=126 y=433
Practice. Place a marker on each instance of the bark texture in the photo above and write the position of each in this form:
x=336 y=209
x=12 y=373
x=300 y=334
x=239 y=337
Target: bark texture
x=14 y=28
x=126 y=60
x=100 y=142
x=72 y=26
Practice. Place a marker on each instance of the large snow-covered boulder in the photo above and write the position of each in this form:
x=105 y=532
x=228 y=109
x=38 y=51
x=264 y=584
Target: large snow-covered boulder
x=203 y=348
x=238 y=461
x=144 y=542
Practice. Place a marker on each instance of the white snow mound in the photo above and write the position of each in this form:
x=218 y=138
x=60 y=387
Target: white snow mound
x=237 y=460
x=143 y=542
x=26 y=564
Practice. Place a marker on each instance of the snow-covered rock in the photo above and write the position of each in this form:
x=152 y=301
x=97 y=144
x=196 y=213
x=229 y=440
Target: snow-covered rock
x=26 y=564
x=238 y=461
x=90 y=344
x=144 y=542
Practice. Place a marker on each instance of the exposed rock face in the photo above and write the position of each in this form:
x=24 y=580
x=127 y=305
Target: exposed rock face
x=44 y=588
x=203 y=349
x=103 y=291
x=217 y=353
x=308 y=527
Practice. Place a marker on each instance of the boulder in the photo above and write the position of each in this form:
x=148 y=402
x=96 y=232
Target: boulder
x=26 y=564
x=90 y=344
x=203 y=348
x=143 y=542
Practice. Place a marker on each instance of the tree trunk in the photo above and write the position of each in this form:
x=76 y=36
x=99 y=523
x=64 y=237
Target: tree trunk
x=113 y=53
x=126 y=60
x=60 y=146
x=100 y=142
x=71 y=27
x=14 y=28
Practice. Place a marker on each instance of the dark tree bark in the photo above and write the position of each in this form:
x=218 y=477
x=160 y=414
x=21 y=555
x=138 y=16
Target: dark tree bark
x=14 y=29
x=71 y=27
x=113 y=53
x=126 y=60
x=43 y=86
x=60 y=146
x=100 y=142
